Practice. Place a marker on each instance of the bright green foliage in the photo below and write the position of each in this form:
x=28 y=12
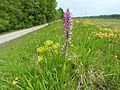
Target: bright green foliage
x=51 y=5
x=59 y=13
x=92 y=63
x=18 y=14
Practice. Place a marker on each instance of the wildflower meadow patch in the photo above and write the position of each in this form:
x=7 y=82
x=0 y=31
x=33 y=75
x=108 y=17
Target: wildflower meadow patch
x=73 y=54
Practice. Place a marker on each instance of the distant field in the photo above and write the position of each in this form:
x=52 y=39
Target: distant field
x=113 y=23
x=93 y=60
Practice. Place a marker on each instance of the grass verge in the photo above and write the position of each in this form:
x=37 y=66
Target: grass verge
x=92 y=62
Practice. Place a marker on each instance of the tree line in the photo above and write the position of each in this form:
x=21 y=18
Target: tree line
x=19 y=14
x=112 y=16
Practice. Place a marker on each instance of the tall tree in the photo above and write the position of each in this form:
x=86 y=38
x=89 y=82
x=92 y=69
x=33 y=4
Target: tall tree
x=51 y=10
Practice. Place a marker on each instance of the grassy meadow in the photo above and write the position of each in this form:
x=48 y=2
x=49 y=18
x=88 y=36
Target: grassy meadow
x=92 y=62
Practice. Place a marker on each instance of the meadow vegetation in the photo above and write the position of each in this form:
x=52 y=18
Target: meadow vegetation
x=35 y=61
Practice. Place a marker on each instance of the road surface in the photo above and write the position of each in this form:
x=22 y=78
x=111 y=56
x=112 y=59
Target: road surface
x=8 y=37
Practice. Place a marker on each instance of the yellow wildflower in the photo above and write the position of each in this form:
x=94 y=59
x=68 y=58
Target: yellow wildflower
x=16 y=78
x=46 y=48
x=115 y=56
x=39 y=50
x=77 y=21
x=88 y=22
x=107 y=35
x=14 y=82
x=48 y=43
x=40 y=58
x=56 y=45
x=42 y=49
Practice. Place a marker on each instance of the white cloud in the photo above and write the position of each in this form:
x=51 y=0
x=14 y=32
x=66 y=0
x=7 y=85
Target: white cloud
x=93 y=7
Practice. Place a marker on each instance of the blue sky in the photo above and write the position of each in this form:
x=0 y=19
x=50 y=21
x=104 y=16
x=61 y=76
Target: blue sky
x=90 y=7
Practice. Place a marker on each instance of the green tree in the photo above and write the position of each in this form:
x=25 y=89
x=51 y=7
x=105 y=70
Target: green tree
x=59 y=13
x=18 y=14
x=51 y=10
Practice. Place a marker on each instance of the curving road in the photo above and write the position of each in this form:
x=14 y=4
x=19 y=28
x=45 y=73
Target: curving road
x=17 y=34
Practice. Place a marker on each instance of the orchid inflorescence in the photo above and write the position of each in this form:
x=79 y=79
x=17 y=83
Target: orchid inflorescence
x=67 y=27
x=67 y=23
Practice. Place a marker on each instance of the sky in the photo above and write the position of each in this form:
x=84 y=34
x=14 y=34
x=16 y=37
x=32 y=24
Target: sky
x=90 y=7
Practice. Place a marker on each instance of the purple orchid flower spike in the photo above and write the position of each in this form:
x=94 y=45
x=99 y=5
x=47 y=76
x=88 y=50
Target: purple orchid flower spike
x=67 y=23
x=67 y=27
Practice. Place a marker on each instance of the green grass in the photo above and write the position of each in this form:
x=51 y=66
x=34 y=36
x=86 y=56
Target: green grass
x=91 y=61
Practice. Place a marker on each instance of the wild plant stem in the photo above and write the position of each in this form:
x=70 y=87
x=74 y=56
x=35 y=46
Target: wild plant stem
x=64 y=63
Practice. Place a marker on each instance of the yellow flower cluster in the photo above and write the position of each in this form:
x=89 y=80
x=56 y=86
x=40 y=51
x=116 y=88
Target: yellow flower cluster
x=117 y=30
x=56 y=45
x=109 y=30
x=42 y=49
x=116 y=57
x=48 y=45
x=40 y=58
x=88 y=22
x=105 y=29
x=77 y=21
x=84 y=22
x=107 y=35
x=14 y=82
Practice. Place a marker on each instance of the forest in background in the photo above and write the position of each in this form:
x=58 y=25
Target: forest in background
x=112 y=16
x=19 y=14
